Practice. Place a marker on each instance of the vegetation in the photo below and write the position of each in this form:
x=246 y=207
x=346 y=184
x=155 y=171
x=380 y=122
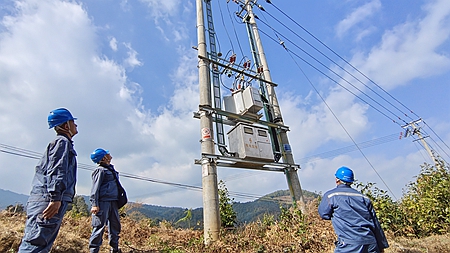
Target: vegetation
x=419 y=222
x=227 y=214
x=186 y=218
x=424 y=209
x=15 y=209
x=78 y=207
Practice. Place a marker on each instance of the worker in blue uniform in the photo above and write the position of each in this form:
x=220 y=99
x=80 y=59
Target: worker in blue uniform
x=353 y=217
x=104 y=196
x=53 y=186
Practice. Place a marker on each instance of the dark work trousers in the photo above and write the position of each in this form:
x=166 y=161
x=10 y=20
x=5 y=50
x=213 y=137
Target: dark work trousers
x=40 y=234
x=108 y=214
x=348 y=248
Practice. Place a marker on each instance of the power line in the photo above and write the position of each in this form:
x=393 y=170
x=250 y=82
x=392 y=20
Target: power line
x=366 y=144
x=342 y=68
x=11 y=150
x=343 y=127
x=342 y=78
x=340 y=57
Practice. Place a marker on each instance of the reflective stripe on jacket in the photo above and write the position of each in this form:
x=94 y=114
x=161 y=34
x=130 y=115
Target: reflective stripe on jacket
x=56 y=172
x=353 y=217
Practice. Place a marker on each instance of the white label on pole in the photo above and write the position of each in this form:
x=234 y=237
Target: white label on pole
x=205 y=171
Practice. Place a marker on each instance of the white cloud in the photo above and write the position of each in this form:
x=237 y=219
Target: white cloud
x=162 y=9
x=165 y=11
x=356 y=17
x=49 y=59
x=113 y=44
x=131 y=61
x=410 y=50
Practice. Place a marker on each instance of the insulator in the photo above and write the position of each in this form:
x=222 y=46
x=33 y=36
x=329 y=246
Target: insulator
x=233 y=58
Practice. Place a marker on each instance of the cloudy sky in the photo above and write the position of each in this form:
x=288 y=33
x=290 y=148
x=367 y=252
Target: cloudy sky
x=126 y=69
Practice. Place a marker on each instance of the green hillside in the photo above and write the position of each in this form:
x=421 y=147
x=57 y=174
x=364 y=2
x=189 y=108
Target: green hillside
x=246 y=212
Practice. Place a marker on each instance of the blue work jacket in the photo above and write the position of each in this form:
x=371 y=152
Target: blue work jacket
x=56 y=172
x=104 y=185
x=353 y=217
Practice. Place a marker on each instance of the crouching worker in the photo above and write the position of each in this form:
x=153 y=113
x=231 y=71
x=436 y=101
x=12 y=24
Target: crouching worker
x=53 y=186
x=353 y=217
x=104 y=196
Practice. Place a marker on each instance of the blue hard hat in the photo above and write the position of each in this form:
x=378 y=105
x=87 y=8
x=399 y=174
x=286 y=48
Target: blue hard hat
x=58 y=117
x=345 y=174
x=98 y=155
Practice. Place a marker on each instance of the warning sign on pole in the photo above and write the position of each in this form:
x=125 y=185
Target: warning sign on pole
x=206 y=133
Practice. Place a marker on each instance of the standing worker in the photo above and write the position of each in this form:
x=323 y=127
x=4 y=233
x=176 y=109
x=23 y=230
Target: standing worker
x=104 y=196
x=353 y=217
x=53 y=186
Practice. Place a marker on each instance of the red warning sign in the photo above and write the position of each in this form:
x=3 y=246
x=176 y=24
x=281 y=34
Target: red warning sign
x=206 y=133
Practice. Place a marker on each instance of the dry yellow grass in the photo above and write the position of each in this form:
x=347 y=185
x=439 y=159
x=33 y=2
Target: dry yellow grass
x=309 y=234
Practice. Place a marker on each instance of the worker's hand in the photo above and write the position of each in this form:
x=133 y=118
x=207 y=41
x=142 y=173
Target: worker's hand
x=51 y=210
x=95 y=209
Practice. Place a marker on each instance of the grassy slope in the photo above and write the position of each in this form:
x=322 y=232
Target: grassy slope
x=296 y=234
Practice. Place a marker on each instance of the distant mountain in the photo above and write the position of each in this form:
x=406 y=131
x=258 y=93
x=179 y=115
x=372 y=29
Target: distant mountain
x=246 y=212
x=11 y=198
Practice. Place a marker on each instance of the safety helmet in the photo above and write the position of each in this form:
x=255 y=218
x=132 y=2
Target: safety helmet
x=345 y=174
x=58 y=117
x=98 y=155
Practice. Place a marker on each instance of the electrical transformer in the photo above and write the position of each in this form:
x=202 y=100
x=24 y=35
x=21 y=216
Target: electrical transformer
x=244 y=101
x=251 y=142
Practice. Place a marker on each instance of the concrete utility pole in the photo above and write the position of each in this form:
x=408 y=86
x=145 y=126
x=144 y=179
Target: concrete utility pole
x=211 y=215
x=291 y=175
x=416 y=130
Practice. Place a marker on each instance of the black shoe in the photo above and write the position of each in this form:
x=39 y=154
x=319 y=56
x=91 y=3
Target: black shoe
x=116 y=251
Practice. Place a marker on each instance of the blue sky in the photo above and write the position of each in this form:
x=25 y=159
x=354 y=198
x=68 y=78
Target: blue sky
x=127 y=70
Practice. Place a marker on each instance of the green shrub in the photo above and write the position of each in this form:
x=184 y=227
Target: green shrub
x=426 y=203
x=227 y=213
x=388 y=211
x=424 y=209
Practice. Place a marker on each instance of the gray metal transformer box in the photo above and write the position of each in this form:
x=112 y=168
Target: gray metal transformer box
x=244 y=101
x=251 y=142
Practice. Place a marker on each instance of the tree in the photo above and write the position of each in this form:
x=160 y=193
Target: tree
x=389 y=212
x=424 y=208
x=17 y=208
x=186 y=218
x=427 y=201
x=227 y=214
x=79 y=206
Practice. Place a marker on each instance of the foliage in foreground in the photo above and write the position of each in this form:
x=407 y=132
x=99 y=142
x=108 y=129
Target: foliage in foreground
x=227 y=213
x=424 y=209
x=294 y=231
